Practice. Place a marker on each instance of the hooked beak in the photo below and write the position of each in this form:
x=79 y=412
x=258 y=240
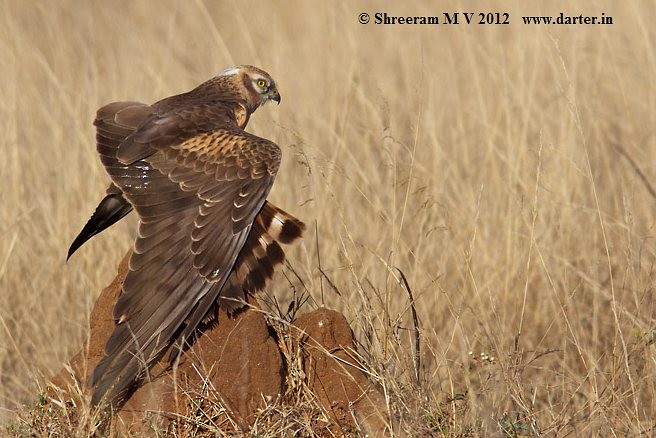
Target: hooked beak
x=274 y=95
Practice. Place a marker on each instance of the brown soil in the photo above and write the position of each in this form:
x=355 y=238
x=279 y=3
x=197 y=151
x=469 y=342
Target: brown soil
x=331 y=371
x=239 y=360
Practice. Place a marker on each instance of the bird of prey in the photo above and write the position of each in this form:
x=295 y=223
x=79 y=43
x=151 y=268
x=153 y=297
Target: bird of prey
x=207 y=235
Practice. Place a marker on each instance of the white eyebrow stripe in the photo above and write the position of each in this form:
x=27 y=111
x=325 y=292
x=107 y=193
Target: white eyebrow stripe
x=229 y=71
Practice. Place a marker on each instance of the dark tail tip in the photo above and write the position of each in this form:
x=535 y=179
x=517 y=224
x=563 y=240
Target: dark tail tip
x=110 y=210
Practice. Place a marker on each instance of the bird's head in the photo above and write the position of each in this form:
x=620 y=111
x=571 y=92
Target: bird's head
x=254 y=86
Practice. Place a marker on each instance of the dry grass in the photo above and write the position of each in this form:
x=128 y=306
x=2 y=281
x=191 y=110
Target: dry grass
x=489 y=164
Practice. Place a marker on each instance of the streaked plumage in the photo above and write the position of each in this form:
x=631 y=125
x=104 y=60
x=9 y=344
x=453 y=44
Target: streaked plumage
x=207 y=235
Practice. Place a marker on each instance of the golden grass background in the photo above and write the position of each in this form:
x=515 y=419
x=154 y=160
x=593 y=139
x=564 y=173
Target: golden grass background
x=488 y=163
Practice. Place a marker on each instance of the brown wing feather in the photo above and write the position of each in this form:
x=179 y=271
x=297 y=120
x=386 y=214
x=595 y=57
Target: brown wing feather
x=196 y=201
x=175 y=127
x=232 y=159
x=114 y=122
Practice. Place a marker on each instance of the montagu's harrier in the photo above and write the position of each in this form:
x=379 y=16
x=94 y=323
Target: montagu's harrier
x=207 y=236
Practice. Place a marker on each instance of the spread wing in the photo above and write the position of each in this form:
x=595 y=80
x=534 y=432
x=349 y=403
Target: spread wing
x=197 y=193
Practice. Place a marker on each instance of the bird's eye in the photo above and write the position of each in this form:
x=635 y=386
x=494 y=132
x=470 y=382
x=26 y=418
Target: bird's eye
x=261 y=83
